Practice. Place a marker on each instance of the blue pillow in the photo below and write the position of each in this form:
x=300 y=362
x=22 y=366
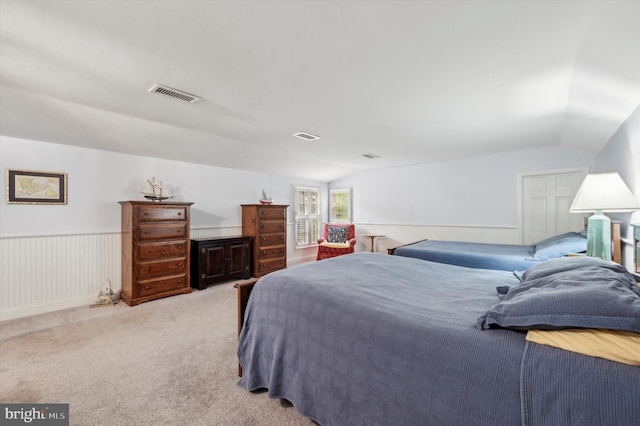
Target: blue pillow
x=560 y=245
x=587 y=296
x=564 y=264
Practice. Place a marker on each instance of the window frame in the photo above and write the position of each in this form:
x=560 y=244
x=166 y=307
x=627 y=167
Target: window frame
x=307 y=216
x=332 y=209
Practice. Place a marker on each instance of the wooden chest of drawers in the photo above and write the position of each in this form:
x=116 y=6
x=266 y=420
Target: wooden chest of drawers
x=267 y=224
x=155 y=250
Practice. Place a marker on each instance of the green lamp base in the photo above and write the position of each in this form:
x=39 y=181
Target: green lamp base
x=599 y=236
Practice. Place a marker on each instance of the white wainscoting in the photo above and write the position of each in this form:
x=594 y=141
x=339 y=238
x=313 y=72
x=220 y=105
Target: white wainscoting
x=397 y=235
x=49 y=273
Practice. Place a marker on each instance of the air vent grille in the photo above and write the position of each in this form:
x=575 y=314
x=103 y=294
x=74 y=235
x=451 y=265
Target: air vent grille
x=370 y=156
x=174 y=93
x=306 y=136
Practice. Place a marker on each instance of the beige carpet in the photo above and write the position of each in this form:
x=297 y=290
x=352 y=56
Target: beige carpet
x=169 y=361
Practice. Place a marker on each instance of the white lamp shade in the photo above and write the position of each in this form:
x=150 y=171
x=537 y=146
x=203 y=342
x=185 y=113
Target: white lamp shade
x=604 y=192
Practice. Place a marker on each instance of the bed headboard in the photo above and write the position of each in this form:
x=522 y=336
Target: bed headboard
x=616 y=251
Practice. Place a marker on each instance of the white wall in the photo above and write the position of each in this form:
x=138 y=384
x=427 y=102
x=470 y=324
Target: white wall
x=480 y=191
x=97 y=180
x=58 y=256
x=622 y=155
x=64 y=253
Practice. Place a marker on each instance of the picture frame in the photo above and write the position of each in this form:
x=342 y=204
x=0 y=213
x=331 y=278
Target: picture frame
x=36 y=187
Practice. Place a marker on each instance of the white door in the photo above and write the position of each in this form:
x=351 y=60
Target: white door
x=546 y=198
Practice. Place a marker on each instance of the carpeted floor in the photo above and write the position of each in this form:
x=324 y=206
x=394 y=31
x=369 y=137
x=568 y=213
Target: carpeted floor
x=168 y=361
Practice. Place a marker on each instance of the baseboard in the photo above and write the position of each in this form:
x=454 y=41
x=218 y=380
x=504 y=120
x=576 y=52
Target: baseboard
x=43 y=308
x=301 y=259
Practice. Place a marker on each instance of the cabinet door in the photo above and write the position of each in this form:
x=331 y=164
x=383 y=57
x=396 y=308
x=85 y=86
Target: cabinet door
x=212 y=263
x=239 y=260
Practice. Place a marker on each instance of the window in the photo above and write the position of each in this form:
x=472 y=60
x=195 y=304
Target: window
x=340 y=205
x=308 y=217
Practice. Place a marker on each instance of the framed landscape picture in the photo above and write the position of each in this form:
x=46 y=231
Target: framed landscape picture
x=34 y=187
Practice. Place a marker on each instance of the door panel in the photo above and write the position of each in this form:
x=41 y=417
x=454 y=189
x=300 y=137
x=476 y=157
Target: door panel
x=214 y=263
x=238 y=260
x=546 y=199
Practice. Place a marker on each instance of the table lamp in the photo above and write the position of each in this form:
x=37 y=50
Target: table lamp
x=602 y=192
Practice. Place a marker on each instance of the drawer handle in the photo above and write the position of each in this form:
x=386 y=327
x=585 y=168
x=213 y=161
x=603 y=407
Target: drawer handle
x=146 y=287
x=179 y=247
x=282 y=225
x=179 y=213
x=147 y=269
x=180 y=264
x=179 y=281
x=147 y=251
x=146 y=232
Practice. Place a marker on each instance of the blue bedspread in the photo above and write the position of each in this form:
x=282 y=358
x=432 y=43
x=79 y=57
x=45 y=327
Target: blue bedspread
x=505 y=257
x=371 y=339
x=565 y=388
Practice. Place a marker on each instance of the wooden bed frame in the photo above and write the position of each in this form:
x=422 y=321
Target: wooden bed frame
x=243 y=291
x=616 y=254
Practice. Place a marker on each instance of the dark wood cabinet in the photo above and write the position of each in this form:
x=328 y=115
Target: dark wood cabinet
x=155 y=250
x=267 y=224
x=219 y=259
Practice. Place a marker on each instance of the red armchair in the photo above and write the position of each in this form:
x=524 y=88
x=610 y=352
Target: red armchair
x=338 y=239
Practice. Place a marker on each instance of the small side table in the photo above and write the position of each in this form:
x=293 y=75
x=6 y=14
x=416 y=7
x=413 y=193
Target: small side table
x=373 y=237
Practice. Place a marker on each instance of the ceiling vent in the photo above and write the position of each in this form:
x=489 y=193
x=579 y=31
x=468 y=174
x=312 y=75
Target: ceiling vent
x=306 y=136
x=370 y=156
x=168 y=91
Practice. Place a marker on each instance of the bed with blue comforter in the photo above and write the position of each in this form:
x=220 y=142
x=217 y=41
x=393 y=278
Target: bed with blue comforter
x=370 y=339
x=504 y=257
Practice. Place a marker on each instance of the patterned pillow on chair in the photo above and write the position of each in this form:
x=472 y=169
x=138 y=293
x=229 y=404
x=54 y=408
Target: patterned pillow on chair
x=337 y=234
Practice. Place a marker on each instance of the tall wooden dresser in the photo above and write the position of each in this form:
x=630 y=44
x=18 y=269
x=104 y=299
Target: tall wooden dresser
x=267 y=224
x=155 y=250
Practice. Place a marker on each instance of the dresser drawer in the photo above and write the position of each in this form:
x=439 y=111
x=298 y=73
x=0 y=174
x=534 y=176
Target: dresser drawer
x=154 y=232
x=150 y=214
x=267 y=226
x=266 y=266
x=151 y=287
x=163 y=267
x=146 y=251
x=271 y=239
x=271 y=252
x=271 y=213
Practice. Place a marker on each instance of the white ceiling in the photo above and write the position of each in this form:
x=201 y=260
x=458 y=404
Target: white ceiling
x=410 y=81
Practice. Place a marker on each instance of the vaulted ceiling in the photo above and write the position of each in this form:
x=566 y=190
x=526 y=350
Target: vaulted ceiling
x=408 y=81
